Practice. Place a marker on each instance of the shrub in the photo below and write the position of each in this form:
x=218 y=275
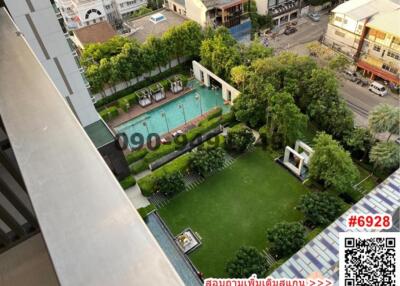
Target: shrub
x=216 y=112
x=109 y=113
x=184 y=80
x=239 y=138
x=286 y=238
x=180 y=164
x=319 y=208
x=263 y=131
x=247 y=261
x=136 y=155
x=127 y=182
x=145 y=211
x=170 y=184
x=204 y=162
x=165 y=84
x=138 y=167
x=215 y=142
x=228 y=119
x=127 y=101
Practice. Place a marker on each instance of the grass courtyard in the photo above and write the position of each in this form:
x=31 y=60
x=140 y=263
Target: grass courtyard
x=235 y=207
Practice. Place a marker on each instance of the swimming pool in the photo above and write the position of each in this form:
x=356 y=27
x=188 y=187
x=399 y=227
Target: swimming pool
x=174 y=113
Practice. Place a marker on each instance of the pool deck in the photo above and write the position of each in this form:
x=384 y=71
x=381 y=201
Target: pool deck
x=137 y=110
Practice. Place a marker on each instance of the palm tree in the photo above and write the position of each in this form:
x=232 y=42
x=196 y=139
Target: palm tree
x=385 y=155
x=385 y=118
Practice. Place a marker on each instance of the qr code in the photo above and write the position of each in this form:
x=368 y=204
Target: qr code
x=369 y=259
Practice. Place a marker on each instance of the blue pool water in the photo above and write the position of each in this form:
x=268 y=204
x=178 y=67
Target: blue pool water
x=170 y=116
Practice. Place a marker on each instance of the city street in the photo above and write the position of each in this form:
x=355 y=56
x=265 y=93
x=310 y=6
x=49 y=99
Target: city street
x=307 y=31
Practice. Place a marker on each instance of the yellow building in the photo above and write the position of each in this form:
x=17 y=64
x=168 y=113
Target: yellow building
x=380 y=47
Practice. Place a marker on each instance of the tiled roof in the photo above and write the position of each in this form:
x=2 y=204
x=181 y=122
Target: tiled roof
x=322 y=253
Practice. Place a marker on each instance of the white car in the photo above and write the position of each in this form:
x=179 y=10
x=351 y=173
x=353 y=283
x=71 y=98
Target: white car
x=378 y=88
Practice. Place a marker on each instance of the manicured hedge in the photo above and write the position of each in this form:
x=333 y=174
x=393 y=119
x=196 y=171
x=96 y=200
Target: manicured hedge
x=136 y=155
x=161 y=151
x=145 y=211
x=109 y=113
x=228 y=119
x=128 y=182
x=217 y=141
x=138 y=167
x=216 y=112
x=184 y=67
x=127 y=101
x=180 y=164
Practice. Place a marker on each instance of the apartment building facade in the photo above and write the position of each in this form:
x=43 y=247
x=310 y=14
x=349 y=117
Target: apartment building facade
x=366 y=30
x=81 y=13
x=281 y=11
x=39 y=25
x=231 y=14
x=380 y=52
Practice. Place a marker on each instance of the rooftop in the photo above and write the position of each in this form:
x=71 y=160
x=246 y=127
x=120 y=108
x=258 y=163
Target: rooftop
x=322 y=253
x=92 y=232
x=221 y=3
x=99 y=133
x=143 y=27
x=361 y=9
x=96 y=33
x=386 y=22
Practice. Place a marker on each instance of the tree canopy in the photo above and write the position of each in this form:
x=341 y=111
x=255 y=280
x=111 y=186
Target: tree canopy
x=385 y=155
x=331 y=164
x=239 y=138
x=170 y=184
x=385 y=118
x=247 y=261
x=207 y=161
x=320 y=208
x=286 y=238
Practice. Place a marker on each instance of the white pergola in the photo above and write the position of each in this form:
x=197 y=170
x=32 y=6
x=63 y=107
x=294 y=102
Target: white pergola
x=302 y=152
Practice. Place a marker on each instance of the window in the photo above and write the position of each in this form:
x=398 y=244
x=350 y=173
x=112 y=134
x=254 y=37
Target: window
x=339 y=33
x=393 y=55
x=359 y=28
x=377 y=48
x=389 y=68
x=338 y=19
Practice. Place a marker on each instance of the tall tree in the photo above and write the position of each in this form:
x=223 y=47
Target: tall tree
x=250 y=107
x=238 y=76
x=385 y=118
x=359 y=142
x=156 y=51
x=285 y=118
x=219 y=55
x=331 y=164
x=325 y=106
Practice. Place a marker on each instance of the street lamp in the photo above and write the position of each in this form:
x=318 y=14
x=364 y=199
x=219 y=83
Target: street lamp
x=147 y=128
x=198 y=98
x=165 y=117
x=215 y=88
x=183 y=111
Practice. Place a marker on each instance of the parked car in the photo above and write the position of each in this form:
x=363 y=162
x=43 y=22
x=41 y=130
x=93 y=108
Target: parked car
x=315 y=17
x=350 y=75
x=290 y=30
x=378 y=88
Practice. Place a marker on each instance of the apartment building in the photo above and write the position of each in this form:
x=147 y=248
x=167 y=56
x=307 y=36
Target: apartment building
x=229 y=13
x=90 y=234
x=39 y=25
x=82 y=13
x=357 y=26
x=380 y=52
x=348 y=20
x=281 y=11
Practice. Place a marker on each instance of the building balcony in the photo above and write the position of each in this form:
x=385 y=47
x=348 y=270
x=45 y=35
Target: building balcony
x=284 y=8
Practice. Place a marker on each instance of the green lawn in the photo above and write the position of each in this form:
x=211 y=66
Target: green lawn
x=235 y=207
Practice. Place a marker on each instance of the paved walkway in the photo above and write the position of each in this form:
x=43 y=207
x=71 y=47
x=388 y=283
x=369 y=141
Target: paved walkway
x=135 y=196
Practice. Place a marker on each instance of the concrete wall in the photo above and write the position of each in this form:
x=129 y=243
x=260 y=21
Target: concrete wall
x=199 y=70
x=196 y=11
x=45 y=37
x=262 y=7
x=341 y=39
